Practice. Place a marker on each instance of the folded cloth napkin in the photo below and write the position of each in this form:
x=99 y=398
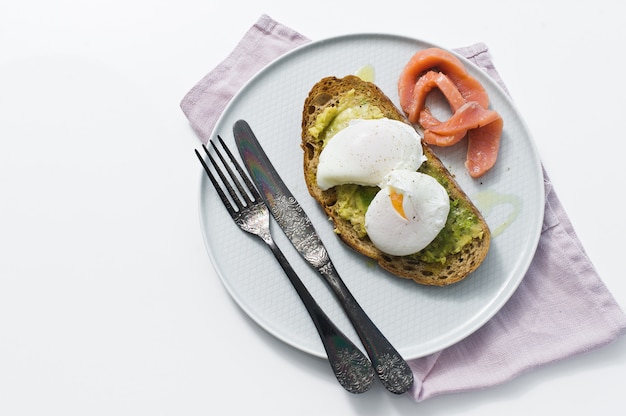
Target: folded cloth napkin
x=560 y=309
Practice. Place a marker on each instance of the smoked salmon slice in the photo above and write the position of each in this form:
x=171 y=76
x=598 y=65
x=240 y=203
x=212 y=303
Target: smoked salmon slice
x=470 y=115
x=424 y=85
x=436 y=68
x=428 y=120
x=482 y=148
x=442 y=61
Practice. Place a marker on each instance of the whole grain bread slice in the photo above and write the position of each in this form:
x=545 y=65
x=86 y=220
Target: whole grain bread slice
x=328 y=92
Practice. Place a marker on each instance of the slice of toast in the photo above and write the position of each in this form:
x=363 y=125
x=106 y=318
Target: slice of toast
x=470 y=238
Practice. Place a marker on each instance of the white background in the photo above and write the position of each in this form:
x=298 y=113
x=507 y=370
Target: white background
x=108 y=301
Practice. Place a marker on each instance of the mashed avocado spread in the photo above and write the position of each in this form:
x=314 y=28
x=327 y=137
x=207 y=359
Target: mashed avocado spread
x=462 y=224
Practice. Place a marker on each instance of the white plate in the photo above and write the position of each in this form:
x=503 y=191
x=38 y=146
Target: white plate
x=418 y=320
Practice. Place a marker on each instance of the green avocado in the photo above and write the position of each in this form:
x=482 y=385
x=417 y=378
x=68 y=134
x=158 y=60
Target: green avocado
x=462 y=224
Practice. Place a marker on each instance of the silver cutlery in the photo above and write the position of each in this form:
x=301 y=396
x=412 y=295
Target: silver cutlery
x=351 y=367
x=391 y=369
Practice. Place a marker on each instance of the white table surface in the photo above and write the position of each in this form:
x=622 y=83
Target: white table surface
x=108 y=300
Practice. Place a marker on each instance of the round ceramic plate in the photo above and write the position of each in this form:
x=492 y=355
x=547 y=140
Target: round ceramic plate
x=418 y=320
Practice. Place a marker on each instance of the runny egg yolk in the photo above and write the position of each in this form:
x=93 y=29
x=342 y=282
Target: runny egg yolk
x=396 y=201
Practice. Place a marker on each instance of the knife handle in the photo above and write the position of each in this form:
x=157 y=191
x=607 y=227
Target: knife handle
x=392 y=370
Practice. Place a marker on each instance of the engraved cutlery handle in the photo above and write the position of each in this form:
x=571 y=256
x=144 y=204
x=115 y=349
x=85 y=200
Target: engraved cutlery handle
x=392 y=370
x=351 y=367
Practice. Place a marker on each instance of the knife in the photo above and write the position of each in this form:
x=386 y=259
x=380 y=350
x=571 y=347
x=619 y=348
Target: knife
x=392 y=370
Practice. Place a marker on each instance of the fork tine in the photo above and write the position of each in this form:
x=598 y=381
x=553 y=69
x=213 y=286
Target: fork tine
x=232 y=174
x=240 y=205
x=214 y=181
x=242 y=174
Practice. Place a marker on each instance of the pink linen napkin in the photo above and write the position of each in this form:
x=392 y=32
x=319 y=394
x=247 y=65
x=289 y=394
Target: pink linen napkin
x=560 y=309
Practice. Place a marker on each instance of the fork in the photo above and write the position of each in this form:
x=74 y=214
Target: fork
x=352 y=368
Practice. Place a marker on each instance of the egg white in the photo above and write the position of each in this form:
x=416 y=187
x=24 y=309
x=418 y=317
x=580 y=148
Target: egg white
x=367 y=150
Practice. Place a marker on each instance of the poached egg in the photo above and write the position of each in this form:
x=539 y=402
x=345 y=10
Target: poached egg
x=407 y=213
x=411 y=208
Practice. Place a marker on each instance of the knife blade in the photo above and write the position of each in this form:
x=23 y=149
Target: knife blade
x=392 y=370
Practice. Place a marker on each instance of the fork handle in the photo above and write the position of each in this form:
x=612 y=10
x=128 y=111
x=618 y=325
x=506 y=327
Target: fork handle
x=391 y=369
x=351 y=367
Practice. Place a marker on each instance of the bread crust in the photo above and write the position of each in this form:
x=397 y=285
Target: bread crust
x=328 y=92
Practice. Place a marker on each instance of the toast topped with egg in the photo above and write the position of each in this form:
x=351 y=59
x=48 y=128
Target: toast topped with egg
x=461 y=242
